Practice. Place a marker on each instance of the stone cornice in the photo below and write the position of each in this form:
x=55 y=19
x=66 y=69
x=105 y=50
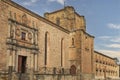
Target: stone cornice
x=83 y=32
x=63 y=9
x=14 y=43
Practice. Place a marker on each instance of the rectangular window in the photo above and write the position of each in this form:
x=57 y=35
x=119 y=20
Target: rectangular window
x=23 y=36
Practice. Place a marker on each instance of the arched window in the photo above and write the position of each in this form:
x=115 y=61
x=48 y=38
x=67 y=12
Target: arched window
x=62 y=52
x=46 y=42
x=47 y=47
x=72 y=41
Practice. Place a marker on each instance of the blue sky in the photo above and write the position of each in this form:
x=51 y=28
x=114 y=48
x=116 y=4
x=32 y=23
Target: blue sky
x=102 y=19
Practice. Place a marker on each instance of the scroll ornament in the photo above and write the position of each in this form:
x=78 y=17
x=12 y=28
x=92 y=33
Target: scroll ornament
x=29 y=35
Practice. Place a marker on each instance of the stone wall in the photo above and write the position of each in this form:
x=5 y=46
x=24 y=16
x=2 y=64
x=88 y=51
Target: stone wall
x=57 y=77
x=17 y=20
x=3 y=35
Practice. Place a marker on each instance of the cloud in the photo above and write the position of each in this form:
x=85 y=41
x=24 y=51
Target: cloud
x=58 y=1
x=29 y=2
x=110 y=42
x=115 y=39
x=113 y=45
x=113 y=26
x=110 y=53
x=104 y=37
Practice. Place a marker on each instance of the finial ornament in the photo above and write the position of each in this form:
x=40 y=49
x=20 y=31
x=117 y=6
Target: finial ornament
x=64 y=3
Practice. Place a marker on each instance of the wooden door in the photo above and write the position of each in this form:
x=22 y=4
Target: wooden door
x=19 y=63
x=73 y=70
x=22 y=64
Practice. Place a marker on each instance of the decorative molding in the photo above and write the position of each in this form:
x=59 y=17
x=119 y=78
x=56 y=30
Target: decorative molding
x=29 y=35
x=26 y=26
x=18 y=32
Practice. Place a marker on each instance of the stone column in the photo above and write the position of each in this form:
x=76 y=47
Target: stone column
x=10 y=58
x=35 y=58
x=13 y=60
x=31 y=66
x=36 y=37
x=10 y=65
x=32 y=61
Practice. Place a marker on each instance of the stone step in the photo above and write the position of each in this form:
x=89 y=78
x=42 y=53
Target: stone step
x=23 y=77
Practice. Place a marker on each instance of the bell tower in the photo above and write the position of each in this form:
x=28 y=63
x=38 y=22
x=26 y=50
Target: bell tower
x=67 y=18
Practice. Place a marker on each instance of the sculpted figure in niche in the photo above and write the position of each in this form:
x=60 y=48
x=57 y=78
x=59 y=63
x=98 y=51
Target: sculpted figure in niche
x=24 y=19
x=17 y=31
x=72 y=41
x=11 y=31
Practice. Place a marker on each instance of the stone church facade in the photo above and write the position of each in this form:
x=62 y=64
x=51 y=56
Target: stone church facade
x=55 y=47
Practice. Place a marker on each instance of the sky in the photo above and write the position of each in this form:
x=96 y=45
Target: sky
x=102 y=19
